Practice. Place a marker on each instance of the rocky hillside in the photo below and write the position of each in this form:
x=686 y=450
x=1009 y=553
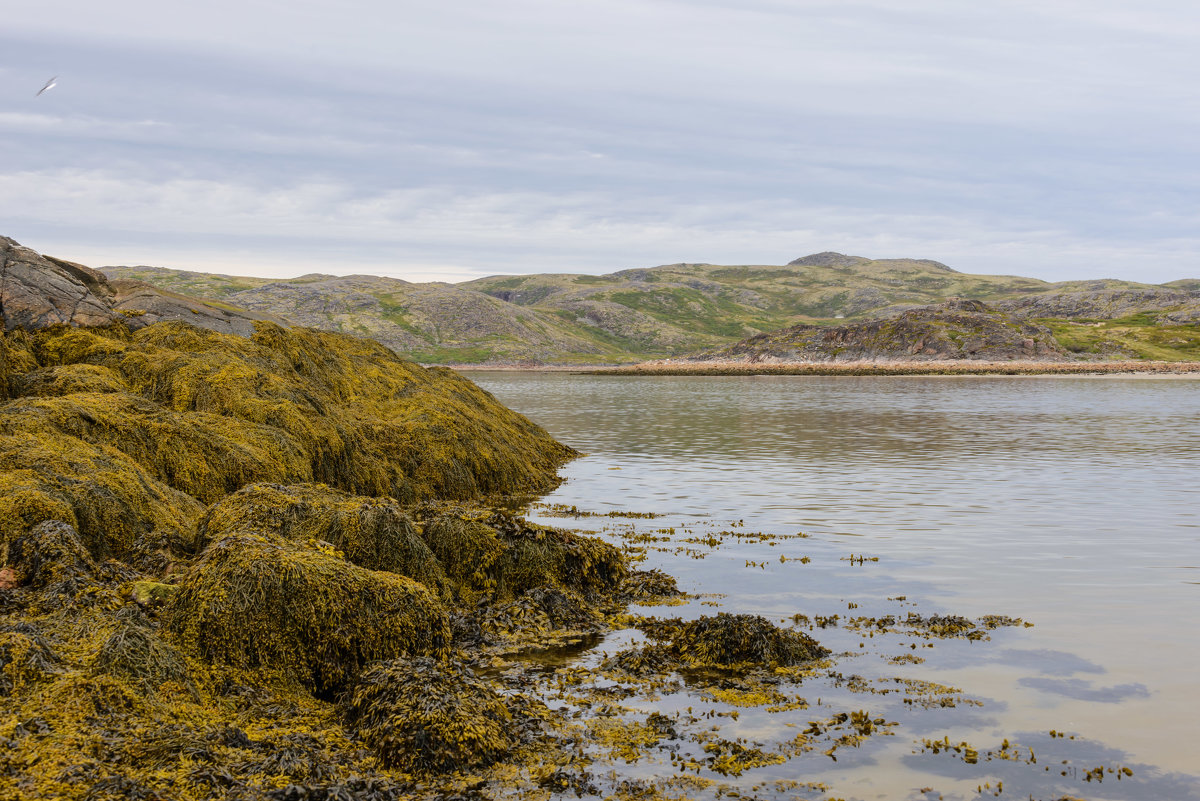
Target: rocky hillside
x=955 y=329
x=432 y=323
x=647 y=313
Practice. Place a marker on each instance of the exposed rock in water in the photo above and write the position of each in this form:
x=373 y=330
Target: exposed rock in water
x=955 y=329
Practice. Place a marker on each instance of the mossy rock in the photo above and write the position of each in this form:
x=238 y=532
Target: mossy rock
x=372 y=532
x=266 y=604
x=424 y=716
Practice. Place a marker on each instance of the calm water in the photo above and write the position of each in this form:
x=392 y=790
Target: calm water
x=1068 y=502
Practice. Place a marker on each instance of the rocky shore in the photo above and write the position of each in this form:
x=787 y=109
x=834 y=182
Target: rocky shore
x=246 y=561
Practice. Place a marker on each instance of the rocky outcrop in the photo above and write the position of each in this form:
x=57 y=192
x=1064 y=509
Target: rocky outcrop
x=36 y=291
x=828 y=259
x=955 y=329
x=141 y=304
x=1107 y=303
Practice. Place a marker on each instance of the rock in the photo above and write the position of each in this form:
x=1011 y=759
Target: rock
x=36 y=291
x=827 y=259
x=141 y=304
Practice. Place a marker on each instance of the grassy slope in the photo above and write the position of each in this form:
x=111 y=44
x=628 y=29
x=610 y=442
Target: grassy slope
x=1137 y=336
x=632 y=314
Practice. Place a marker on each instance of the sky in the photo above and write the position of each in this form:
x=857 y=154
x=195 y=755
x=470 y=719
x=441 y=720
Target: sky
x=455 y=139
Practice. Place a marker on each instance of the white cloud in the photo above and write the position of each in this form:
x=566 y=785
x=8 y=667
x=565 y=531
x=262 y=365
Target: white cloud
x=1049 y=139
x=421 y=234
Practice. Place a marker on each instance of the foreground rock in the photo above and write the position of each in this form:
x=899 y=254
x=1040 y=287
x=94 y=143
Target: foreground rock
x=37 y=291
x=956 y=329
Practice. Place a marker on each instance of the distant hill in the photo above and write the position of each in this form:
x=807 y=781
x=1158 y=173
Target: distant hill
x=664 y=311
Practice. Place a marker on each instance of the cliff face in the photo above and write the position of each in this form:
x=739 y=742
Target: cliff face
x=956 y=329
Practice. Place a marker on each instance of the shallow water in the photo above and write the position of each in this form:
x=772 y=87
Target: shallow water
x=1069 y=502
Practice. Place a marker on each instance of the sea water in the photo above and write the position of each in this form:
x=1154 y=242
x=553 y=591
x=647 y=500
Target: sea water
x=1071 y=503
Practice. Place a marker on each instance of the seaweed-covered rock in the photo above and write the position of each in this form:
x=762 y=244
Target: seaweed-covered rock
x=371 y=532
x=123 y=434
x=257 y=603
x=498 y=556
x=110 y=499
x=136 y=652
x=425 y=716
x=50 y=553
x=642 y=585
x=531 y=619
x=25 y=658
x=468 y=551
x=537 y=556
x=727 y=640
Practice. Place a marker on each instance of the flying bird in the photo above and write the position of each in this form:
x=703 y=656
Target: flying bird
x=50 y=84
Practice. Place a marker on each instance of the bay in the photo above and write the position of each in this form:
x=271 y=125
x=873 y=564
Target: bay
x=1067 y=502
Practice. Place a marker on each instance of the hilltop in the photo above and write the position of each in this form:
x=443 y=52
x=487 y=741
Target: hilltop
x=670 y=310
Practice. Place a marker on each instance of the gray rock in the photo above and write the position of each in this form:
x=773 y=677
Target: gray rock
x=36 y=291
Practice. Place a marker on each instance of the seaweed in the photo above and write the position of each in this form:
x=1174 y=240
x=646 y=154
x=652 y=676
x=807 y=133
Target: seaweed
x=256 y=603
x=372 y=532
x=122 y=435
x=732 y=641
x=425 y=716
x=26 y=658
x=135 y=652
x=51 y=553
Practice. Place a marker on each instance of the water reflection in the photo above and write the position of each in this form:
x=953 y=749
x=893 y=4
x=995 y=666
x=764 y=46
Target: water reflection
x=1064 y=501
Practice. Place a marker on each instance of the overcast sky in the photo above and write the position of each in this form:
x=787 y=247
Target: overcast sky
x=453 y=139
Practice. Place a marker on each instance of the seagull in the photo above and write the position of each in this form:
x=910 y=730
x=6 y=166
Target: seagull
x=50 y=84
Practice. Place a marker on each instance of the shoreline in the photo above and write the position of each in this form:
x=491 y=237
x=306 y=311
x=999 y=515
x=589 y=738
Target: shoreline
x=863 y=368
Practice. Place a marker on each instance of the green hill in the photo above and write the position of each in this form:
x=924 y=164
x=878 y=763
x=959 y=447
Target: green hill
x=639 y=314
